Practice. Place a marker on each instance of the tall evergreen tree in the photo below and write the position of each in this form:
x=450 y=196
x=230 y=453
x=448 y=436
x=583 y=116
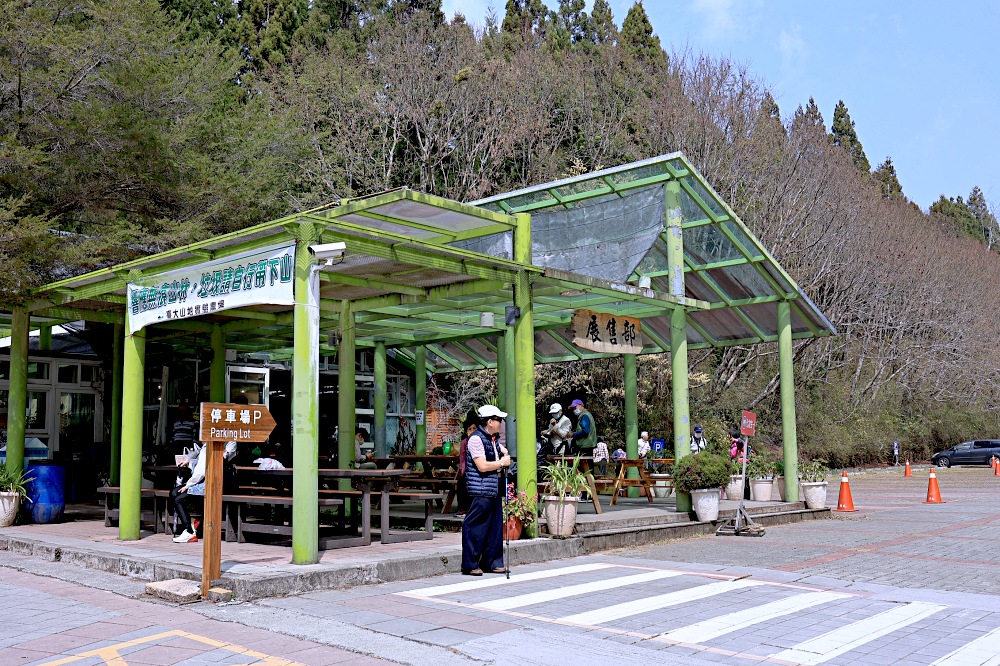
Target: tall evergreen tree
x=574 y=19
x=985 y=218
x=885 y=176
x=638 y=40
x=265 y=29
x=845 y=136
x=954 y=212
x=525 y=17
x=601 y=26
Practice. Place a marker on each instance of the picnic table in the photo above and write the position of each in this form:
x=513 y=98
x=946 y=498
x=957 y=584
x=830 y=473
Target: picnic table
x=365 y=482
x=431 y=472
x=597 y=476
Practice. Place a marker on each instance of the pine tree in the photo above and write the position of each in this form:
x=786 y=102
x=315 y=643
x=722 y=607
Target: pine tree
x=885 y=176
x=572 y=17
x=810 y=116
x=955 y=213
x=601 y=27
x=265 y=28
x=845 y=136
x=638 y=40
x=985 y=218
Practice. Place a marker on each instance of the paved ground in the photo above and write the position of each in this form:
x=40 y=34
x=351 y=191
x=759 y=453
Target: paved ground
x=899 y=582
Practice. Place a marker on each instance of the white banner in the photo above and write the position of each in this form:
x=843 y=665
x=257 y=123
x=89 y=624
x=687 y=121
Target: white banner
x=260 y=277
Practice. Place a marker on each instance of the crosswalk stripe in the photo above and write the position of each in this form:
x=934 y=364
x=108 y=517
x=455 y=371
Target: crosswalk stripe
x=984 y=651
x=707 y=630
x=639 y=606
x=482 y=583
x=837 y=642
x=575 y=590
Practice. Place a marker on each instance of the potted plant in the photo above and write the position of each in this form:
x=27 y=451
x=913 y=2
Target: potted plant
x=734 y=489
x=566 y=482
x=812 y=480
x=12 y=489
x=519 y=511
x=761 y=468
x=702 y=475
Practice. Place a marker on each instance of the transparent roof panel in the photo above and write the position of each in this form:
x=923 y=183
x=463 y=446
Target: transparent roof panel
x=722 y=324
x=763 y=315
x=695 y=287
x=737 y=233
x=442 y=218
x=691 y=211
x=706 y=244
x=703 y=194
x=739 y=282
x=391 y=227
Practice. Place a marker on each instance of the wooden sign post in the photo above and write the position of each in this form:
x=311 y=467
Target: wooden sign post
x=221 y=423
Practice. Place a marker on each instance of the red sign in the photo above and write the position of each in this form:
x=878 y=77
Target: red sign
x=748 y=424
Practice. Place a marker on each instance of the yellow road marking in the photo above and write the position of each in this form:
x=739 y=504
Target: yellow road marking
x=111 y=656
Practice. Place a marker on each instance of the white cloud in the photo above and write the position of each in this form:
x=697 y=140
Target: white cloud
x=792 y=48
x=720 y=24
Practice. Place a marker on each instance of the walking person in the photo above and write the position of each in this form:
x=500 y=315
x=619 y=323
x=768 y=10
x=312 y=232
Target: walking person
x=482 y=529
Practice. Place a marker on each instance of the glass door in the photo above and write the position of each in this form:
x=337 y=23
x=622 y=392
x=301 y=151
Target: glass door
x=248 y=383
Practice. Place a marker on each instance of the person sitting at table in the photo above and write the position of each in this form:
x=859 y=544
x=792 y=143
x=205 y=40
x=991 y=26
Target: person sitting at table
x=482 y=530
x=468 y=427
x=559 y=430
x=191 y=481
x=362 y=460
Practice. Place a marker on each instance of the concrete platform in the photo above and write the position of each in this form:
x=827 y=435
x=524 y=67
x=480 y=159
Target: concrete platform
x=254 y=570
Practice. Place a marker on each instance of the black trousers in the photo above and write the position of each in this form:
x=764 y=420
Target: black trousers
x=177 y=498
x=482 y=534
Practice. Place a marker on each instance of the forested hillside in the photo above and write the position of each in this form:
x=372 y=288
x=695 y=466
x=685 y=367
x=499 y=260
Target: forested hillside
x=131 y=126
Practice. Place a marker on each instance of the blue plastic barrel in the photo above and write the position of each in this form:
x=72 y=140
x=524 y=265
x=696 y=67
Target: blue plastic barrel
x=46 y=492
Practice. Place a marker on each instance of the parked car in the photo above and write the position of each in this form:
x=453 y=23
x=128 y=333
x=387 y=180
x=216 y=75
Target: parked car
x=977 y=452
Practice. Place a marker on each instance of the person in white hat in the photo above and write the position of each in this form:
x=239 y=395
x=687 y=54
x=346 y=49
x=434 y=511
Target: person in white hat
x=482 y=529
x=643 y=444
x=559 y=429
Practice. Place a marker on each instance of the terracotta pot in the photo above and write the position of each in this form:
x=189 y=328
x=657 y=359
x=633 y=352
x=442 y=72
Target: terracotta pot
x=512 y=528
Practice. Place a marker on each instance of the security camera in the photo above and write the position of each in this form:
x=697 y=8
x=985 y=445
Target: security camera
x=327 y=252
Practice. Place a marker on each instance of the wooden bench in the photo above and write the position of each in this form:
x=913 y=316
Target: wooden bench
x=245 y=525
x=111 y=513
x=385 y=534
x=450 y=485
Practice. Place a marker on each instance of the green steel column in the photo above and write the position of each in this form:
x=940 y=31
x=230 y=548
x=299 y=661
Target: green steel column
x=510 y=387
x=305 y=402
x=678 y=331
x=524 y=363
x=132 y=388
x=346 y=392
x=420 y=434
x=45 y=338
x=17 y=399
x=217 y=370
x=116 y=404
x=502 y=372
x=631 y=416
x=380 y=399
x=790 y=445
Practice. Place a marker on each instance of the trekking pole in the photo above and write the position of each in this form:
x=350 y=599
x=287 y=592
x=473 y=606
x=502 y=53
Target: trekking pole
x=506 y=530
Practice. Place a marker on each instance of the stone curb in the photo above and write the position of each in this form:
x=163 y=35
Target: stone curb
x=319 y=577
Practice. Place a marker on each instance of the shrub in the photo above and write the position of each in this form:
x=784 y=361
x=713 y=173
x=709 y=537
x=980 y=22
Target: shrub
x=814 y=471
x=703 y=470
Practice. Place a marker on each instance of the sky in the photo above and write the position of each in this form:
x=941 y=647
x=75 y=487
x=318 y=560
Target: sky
x=921 y=80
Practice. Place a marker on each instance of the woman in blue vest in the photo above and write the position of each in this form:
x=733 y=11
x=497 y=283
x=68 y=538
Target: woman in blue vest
x=482 y=529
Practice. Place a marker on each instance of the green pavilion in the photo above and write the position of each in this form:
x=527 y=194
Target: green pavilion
x=445 y=287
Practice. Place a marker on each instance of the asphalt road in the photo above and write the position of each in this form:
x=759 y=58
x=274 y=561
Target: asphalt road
x=899 y=582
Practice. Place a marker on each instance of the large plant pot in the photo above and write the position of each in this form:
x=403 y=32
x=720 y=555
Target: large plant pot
x=9 y=502
x=512 y=528
x=560 y=514
x=760 y=489
x=778 y=489
x=814 y=493
x=706 y=504
x=734 y=489
x=661 y=488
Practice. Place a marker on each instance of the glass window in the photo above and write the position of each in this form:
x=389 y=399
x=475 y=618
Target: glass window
x=89 y=374
x=4 y=369
x=36 y=411
x=38 y=370
x=68 y=373
x=964 y=446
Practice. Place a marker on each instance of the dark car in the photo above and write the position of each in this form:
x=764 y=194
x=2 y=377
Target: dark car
x=977 y=452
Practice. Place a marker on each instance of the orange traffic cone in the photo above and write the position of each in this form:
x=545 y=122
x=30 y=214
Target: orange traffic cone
x=908 y=472
x=933 y=491
x=993 y=464
x=996 y=467
x=845 y=504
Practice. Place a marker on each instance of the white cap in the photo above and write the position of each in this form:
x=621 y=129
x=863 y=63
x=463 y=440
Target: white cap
x=491 y=410
x=555 y=408
x=644 y=434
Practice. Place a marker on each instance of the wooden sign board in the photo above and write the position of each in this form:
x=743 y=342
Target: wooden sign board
x=229 y=422
x=606 y=333
x=223 y=422
x=748 y=424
